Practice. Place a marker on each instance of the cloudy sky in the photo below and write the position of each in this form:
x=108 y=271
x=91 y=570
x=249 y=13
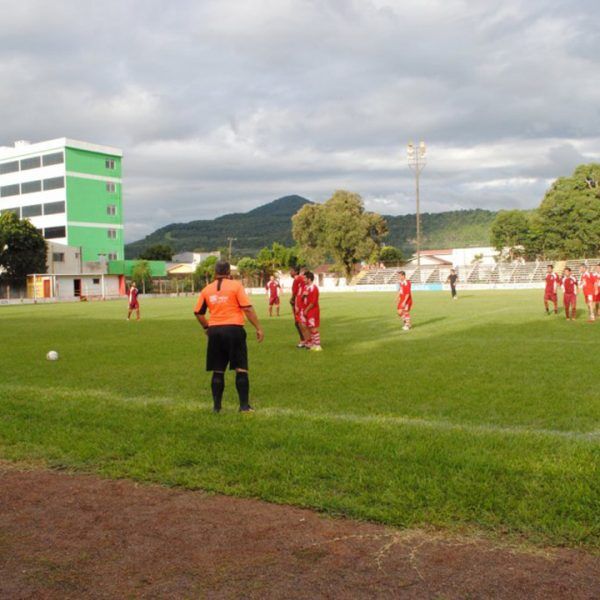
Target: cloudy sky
x=223 y=105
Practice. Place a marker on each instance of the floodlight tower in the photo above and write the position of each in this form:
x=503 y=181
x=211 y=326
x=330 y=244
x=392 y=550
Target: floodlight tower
x=417 y=159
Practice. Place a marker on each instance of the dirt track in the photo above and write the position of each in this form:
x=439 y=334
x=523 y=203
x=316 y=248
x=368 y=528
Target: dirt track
x=76 y=536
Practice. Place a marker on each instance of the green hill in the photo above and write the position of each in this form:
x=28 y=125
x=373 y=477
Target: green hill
x=253 y=230
x=272 y=223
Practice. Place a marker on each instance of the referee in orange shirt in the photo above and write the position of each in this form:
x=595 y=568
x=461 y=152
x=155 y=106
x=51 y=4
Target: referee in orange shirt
x=228 y=306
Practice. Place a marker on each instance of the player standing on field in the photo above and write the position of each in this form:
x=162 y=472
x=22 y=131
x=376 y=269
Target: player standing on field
x=296 y=302
x=312 y=311
x=452 y=279
x=587 y=282
x=134 y=303
x=273 y=289
x=597 y=283
x=550 y=293
x=228 y=305
x=404 y=300
x=569 y=285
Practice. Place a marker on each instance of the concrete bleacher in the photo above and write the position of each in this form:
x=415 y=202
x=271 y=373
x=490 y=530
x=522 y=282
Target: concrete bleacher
x=500 y=273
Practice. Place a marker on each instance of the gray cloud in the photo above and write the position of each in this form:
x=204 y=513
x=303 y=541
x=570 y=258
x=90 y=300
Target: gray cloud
x=223 y=105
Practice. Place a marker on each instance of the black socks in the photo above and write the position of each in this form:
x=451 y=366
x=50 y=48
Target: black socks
x=217 y=385
x=242 y=384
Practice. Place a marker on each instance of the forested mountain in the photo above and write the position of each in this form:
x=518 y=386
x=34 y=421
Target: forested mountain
x=272 y=223
x=252 y=231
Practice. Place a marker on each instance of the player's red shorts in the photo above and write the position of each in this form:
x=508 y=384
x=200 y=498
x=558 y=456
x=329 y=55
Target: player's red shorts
x=299 y=315
x=134 y=305
x=550 y=297
x=597 y=298
x=570 y=300
x=588 y=295
x=406 y=306
x=274 y=300
x=313 y=319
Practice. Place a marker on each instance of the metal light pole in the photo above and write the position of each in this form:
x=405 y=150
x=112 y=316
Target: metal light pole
x=231 y=240
x=416 y=156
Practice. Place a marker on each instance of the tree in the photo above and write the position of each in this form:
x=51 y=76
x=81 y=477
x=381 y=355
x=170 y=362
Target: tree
x=249 y=269
x=157 y=252
x=567 y=223
x=22 y=249
x=390 y=256
x=142 y=275
x=510 y=229
x=341 y=229
x=205 y=271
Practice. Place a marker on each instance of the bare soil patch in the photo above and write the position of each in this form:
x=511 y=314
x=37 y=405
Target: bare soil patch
x=80 y=536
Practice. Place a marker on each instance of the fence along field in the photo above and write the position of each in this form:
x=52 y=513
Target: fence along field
x=486 y=415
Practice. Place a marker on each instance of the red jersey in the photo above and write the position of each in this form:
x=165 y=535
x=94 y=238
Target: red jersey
x=405 y=290
x=569 y=284
x=552 y=283
x=298 y=289
x=273 y=288
x=587 y=283
x=311 y=296
x=133 y=294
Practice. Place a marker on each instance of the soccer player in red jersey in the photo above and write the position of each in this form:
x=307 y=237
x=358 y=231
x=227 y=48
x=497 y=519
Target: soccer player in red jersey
x=134 y=303
x=273 y=288
x=552 y=284
x=312 y=311
x=569 y=285
x=404 y=300
x=587 y=282
x=297 y=306
x=597 y=296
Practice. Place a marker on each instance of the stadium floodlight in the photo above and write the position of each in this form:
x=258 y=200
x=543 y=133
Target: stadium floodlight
x=417 y=159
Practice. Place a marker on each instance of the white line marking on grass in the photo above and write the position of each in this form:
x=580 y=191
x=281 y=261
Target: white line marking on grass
x=484 y=429
x=275 y=411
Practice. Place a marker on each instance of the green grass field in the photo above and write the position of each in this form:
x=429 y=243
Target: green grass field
x=486 y=415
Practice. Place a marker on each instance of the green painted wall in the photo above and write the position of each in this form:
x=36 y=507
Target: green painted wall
x=94 y=241
x=87 y=200
x=158 y=268
x=91 y=163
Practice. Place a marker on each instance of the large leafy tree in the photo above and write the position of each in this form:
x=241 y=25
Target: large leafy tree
x=157 y=252
x=249 y=270
x=141 y=274
x=567 y=223
x=205 y=271
x=510 y=230
x=339 y=228
x=390 y=256
x=22 y=249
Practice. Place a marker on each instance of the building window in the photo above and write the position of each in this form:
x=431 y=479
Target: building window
x=15 y=211
x=96 y=281
x=51 y=233
x=52 y=159
x=112 y=256
x=9 y=167
x=109 y=164
x=54 y=183
x=9 y=190
x=31 y=163
x=29 y=187
x=110 y=187
x=112 y=234
x=54 y=208
x=35 y=210
x=111 y=210
x=58 y=257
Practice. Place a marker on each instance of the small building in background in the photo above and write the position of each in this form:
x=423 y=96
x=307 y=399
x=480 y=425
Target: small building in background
x=193 y=258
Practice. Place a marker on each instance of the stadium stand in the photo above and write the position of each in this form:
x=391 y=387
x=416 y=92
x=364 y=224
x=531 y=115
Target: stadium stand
x=508 y=273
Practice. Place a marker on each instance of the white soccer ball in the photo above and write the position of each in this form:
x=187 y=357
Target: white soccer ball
x=52 y=355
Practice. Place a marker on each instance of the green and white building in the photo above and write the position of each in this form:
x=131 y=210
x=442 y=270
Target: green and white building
x=70 y=190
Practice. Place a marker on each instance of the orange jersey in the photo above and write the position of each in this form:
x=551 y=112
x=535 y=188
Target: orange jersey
x=224 y=299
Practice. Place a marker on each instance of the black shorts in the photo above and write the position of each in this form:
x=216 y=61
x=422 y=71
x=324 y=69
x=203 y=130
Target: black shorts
x=226 y=346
